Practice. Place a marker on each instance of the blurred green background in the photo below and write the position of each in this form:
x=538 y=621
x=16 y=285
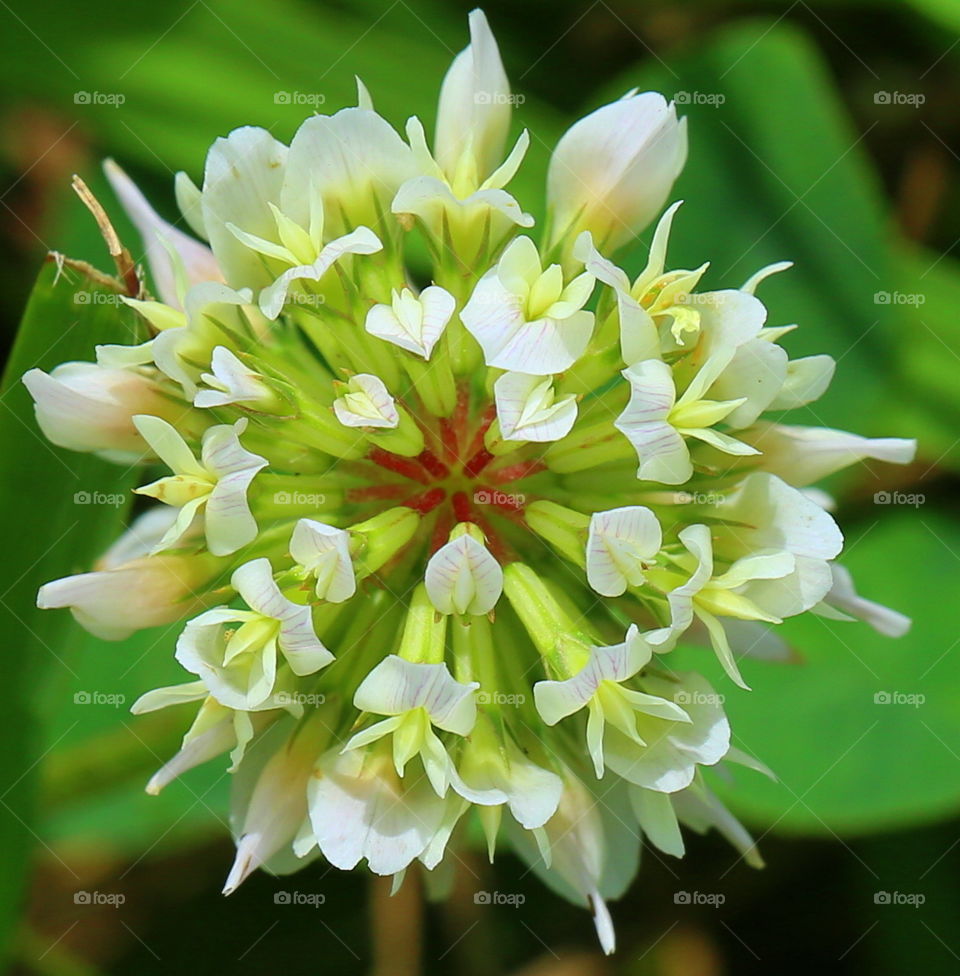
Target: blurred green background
x=825 y=133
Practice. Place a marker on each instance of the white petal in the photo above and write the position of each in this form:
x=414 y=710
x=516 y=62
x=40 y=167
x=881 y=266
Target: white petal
x=807 y=380
x=88 y=407
x=657 y=820
x=395 y=686
x=521 y=415
x=802 y=455
x=357 y=813
x=619 y=541
x=463 y=577
x=555 y=700
x=844 y=597
x=367 y=403
x=613 y=169
x=242 y=177
x=415 y=329
x=494 y=317
x=356 y=159
x=474 y=111
x=768 y=514
x=325 y=551
x=361 y=240
x=299 y=643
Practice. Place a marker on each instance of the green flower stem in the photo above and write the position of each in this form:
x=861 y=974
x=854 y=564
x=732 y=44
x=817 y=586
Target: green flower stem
x=433 y=380
x=558 y=638
x=424 y=632
x=564 y=528
x=377 y=540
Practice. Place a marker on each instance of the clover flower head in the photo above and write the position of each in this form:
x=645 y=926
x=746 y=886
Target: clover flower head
x=440 y=492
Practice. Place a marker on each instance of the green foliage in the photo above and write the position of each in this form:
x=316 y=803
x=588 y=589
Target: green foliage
x=48 y=534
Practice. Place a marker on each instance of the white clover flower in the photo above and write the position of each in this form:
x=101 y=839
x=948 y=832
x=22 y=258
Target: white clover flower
x=413 y=322
x=216 y=485
x=621 y=542
x=366 y=403
x=528 y=408
x=88 y=407
x=324 y=552
x=528 y=319
x=463 y=577
x=598 y=688
x=236 y=653
x=497 y=476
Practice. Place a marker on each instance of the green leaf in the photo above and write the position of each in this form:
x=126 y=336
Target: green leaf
x=48 y=536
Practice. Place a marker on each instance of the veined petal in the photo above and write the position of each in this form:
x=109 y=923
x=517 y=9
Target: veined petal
x=325 y=551
x=527 y=411
x=618 y=543
x=463 y=577
x=367 y=403
x=396 y=686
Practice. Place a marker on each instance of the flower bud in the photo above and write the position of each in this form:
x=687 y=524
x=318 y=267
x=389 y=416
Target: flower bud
x=145 y=592
x=85 y=407
x=612 y=171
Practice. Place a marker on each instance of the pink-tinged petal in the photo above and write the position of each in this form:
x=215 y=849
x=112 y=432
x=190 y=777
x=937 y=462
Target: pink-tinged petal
x=463 y=577
x=160 y=238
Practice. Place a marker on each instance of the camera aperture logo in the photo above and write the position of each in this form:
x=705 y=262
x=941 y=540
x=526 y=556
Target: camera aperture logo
x=113 y=99
x=298 y=98
x=913 y=499
x=500 y=698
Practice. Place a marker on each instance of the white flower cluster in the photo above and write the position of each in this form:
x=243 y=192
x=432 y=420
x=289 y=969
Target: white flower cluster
x=386 y=636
